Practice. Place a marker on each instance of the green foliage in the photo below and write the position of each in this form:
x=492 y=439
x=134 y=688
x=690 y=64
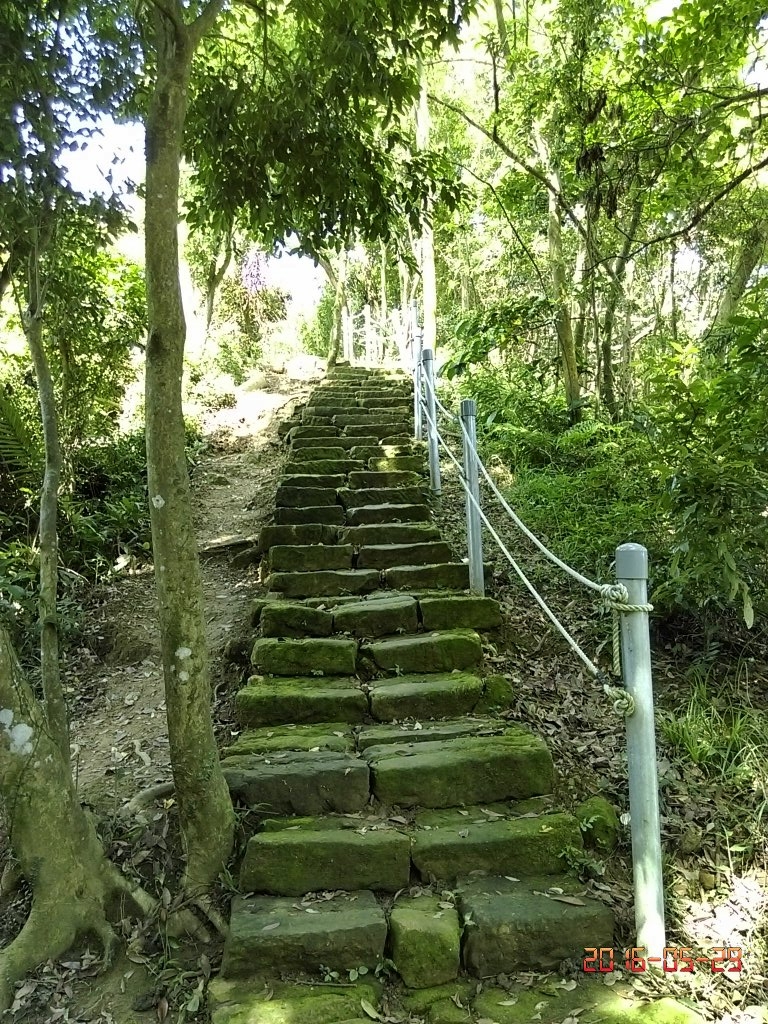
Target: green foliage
x=498 y=328
x=242 y=324
x=315 y=333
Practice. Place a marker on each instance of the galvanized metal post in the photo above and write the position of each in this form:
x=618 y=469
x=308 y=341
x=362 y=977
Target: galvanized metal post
x=418 y=389
x=632 y=571
x=434 y=453
x=468 y=412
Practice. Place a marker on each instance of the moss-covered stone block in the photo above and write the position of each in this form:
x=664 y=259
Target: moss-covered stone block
x=298 y=861
x=286 y=618
x=397 y=464
x=322 y=467
x=310 y=557
x=329 y=515
x=388 y=478
x=497 y=695
x=316 y=431
x=599 y=823
x=388 y=512
x=389 y=533
x=312 y=452
x=325 y=736
x=378 y=430
x=351 y=497
x=592 y=1001
x=377 y=616
x=291 y=657
x=384 y=556
x=418 y=696
x=445 y=576
x=345 y=442
x=427 y=652
x=324 y=583
x=453 y=612
x=278 y=701
x=301 y=533
x=270 y=1002
x=305 y=497
x=465 y=770
x=324 y=480
x=424 y=731
x=425 y=940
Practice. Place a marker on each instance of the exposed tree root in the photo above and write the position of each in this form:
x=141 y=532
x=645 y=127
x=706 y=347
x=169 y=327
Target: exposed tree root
x=145 y=797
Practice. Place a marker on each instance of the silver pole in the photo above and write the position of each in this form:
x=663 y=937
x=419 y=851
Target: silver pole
x=418 y=341
x=632 y=571
x=434 y=454
x=474 y=524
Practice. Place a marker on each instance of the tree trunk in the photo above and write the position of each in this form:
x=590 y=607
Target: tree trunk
x=615 y=292
x=563 y=322
x=750 y=255
x=427 y=241
x=215 y=277
x=53 y=692
x=205 y=808
x=501 y=26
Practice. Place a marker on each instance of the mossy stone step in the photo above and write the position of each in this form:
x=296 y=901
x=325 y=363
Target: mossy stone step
x=441 y=576
x=522 y=925
x=424 y=940
x=414 y=731
x=590 y=1001
x=268 y=1001
x=378 y=430
x=447 y=845
x=385 y=400
x=293 y=862
x=292 y=619
x=300 y=699
x=398 y=463
x=303 y=533
x=351 y=497
x=316 y=431
x=310 y=557
x=325 y=736
x=319 y=467
x=387 y=533
x=378 y=617
x=346 y=443
x=328 y=515
x=345 y=418
x=299 y=782
x=386 y=451
x=422 y=697
x=388 y=513
x=468 y=770
x=450 y=612
x=342 y=933
x=304 y=497
x=313 y=454
x=427 y=652
x=289 y=657
x=324 y=584
x=334 y=480
x=369 y=478
x=386 y=556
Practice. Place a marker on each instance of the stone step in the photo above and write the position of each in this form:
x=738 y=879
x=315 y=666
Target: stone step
x=369 y=478
x=299 y=782
x=329 y=515
x=385 y=401
x=466 y=770
x=419 y=696
x=441 y=651
x=319 y=467
x=449 y=844
x=334 y=480
x=311 y=557
x=387 y=451
x=377 y=617
x=301 y=699
x=442 y=576
x=290 y=657
x=398 y=463
x=415 y=731
x=337 y=736
x=524 y=925
x=378 y=429
x=313 y=857
x=320 y=452
x=388 y=513
x=350 y=497
x=345 y=442
x=387 y=556
x=345 y=418
x=257 y=1002
x=316 y=431
x=342 y=933
x=452 y=612
x=328 y=583
x=304 y=497
x=294 y=619
x=307 y=533
x=386 y=533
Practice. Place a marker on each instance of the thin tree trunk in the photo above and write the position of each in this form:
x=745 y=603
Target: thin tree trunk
x=53 y=692
x=215 y=277
x=750 y=255
x=615 y=292
x=427 y=241
x=205 y=808
x=501 y=26
x=563 y=322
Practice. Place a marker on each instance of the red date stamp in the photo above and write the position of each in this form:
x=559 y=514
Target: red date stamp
x=604 y=959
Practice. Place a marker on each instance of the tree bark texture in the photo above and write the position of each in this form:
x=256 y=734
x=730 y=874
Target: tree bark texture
x=205 y=807
x=55 y=703
x=750 y=255
x=615 y=292
x=563 y=323
x=427 y=240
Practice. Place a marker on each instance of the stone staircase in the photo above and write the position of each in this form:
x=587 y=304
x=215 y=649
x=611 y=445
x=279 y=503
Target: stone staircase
x=405 y=829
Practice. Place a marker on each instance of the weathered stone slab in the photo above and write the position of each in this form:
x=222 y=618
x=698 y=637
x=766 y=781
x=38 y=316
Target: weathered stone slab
x=407 y=731
x=347 y=932
x=304 y=497
x=378 y=431
x=427 y=652
x=515 y=846
x=465 y=770
x=362 y=417
x=386 y=556
x=385 y=401
x=324 y=584
x=304 y=699
x=425 y=939
x=311 y=453
x=310 y=557
x=397 y=463
x=318 y=467
x=290 y=863
x=302 y=533
x=388 y=513
x=328 y=515
x=355 y=497
x=591 y=1001
x=254 y=1002
x=389 y=533
x=292 y=657
x=444 y=576
x=377 y=617
x=344 y=442
x=324 y=736
x=299 y=782
x=418 y=696
x=380 y=451
x=393 y=478
x=285 y=618
x=316 y=431
x=515 y=926
x=333 y=480
x=450 y=612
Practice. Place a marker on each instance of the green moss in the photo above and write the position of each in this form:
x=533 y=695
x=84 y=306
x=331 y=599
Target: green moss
x=599 y=823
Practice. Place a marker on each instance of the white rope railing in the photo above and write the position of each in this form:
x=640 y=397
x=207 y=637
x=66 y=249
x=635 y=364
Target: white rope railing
x=628 y=601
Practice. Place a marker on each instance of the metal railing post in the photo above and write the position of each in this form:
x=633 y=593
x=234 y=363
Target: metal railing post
x=474 y=523
x=632 y=572
x=434 y=454
x=418 y=428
